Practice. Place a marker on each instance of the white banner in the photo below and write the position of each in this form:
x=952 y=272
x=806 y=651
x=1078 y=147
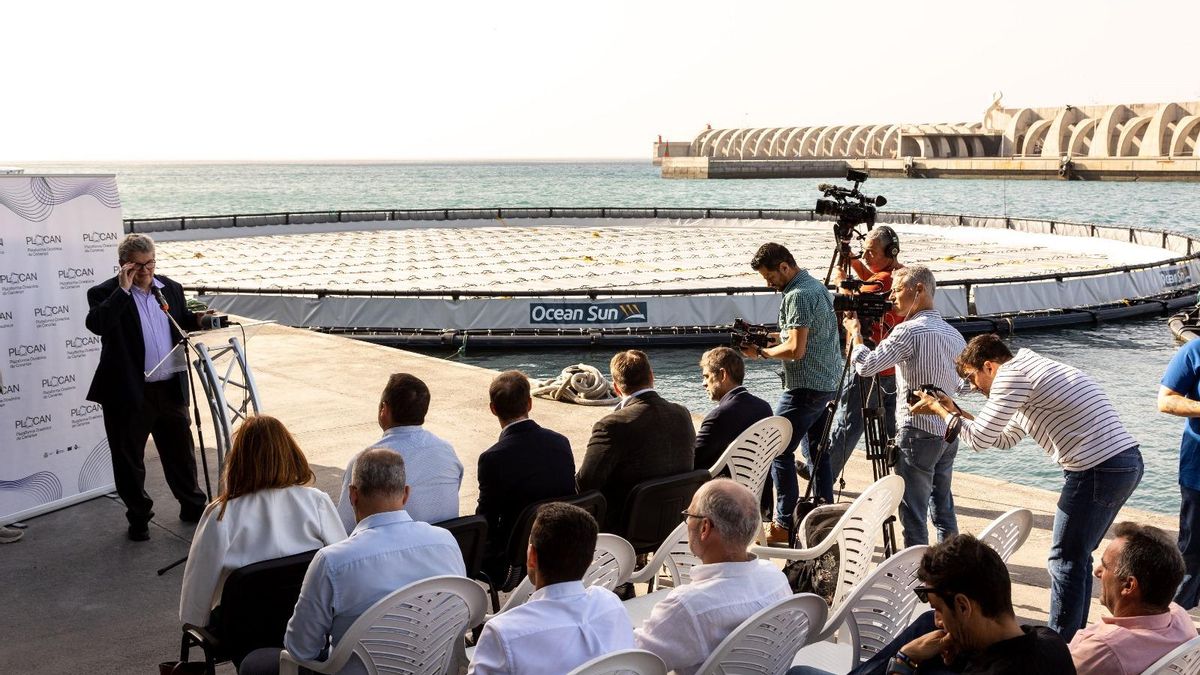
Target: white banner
x=58 y=237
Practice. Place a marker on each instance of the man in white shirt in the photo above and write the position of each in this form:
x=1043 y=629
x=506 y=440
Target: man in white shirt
x=387 y=551
x=922 y=349
x=731 y=585
x=434 y=471
x=1071 y=417
x=563 y=625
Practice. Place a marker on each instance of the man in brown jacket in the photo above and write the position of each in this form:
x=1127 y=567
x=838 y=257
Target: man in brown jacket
x=645 y=437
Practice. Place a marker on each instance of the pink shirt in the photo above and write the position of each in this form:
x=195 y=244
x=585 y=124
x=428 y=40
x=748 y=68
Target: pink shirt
x=1128 y=645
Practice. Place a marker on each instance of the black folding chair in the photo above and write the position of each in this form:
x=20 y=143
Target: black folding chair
x=518 y=540
x=256 y=603
x=653 y=507
x=471 y=534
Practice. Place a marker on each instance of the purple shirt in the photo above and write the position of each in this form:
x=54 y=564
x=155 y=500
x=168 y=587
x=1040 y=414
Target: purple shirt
x=1129 y=644
x=156 y=333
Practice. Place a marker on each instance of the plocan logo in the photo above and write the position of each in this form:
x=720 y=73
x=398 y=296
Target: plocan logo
x=43 y=244
x=21 y=356
x=588 y=313
x=31 y=425
x=54 y=386
x=80 y=346
x=85 y=414
x=99 y=237
x=51 y=315
x=75 y=277
x=6 y=319
x=10 y=393
x=13 y=282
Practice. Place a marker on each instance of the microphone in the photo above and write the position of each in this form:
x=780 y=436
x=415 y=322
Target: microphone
x=162 y=302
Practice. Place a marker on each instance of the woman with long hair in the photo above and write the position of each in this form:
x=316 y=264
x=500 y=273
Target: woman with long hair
x=266 y=510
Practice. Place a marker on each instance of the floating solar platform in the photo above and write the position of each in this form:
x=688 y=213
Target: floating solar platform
x=538 y=279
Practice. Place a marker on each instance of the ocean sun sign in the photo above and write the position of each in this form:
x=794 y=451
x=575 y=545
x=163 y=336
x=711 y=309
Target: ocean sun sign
x=587 y=313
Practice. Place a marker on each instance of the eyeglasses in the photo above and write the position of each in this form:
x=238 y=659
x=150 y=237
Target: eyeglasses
x=149 y=264
x=924 y=591
x=687 y=515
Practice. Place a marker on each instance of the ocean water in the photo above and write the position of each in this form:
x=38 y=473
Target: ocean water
x=1127 y=358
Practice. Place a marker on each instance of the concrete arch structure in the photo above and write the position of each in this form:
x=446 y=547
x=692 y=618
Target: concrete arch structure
x=1110 y=131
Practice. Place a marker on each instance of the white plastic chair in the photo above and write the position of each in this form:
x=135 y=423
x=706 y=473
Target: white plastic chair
x=1006 y=533
x=418 y=628
x=855 y=535
x=674 y=555
x=871 y=617
x=748 y=457
x=612 y=565
x=768 y=641
x=624 y=662
x=1183 y=660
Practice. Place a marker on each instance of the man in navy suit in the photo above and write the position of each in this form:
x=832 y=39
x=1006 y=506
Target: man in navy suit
x=142 y=383
x=737 y=409
x=528 y=464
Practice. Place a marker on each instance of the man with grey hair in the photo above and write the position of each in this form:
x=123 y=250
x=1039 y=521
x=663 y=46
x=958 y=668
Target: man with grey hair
x=386 y=551
x=142 y=384
x=922 y=348
x=731 y=585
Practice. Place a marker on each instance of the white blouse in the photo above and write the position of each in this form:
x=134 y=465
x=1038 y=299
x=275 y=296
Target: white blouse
x=260 y=526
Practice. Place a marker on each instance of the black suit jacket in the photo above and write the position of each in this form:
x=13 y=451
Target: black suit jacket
x=649 y=438
x=528 y=464
x=120 y=378
x=735 y=412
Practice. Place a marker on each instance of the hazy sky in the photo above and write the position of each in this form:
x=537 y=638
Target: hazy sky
x=458 y=80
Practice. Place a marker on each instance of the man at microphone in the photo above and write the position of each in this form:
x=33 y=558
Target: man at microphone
x=140 y=384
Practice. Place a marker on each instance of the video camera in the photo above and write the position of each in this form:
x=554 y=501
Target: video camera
x=848 y=205
x=870 y=306
x=744 y=333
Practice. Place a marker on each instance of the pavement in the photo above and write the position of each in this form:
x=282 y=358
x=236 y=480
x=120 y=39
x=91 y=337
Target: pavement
x=78 y=596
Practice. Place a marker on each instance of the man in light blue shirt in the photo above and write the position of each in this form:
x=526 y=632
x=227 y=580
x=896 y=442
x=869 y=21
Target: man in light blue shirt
x=434 y=471
x=386 y=551
x=563 y=625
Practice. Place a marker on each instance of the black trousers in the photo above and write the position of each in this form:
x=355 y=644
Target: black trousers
x=161 y=415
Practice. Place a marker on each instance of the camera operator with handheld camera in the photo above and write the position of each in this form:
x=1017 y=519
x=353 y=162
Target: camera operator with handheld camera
x=876 y=269
x=922 y=349
x=812 y=367
x=141 y=396
x=1073 y=420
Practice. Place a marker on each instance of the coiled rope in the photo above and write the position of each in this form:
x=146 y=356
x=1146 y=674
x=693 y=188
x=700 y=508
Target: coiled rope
x=580 y=383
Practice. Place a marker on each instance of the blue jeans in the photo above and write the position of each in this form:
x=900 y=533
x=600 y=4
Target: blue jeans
x=1189 y=545
x=848 y=422
x=926 y=463
x=806 y=410
x=1086 y=509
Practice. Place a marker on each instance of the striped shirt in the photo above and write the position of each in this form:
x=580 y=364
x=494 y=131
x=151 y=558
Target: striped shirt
x=1060 y=407
x=923 y=349
x=807 y=304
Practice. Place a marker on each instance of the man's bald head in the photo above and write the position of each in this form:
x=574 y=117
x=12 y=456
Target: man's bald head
x=732 y=510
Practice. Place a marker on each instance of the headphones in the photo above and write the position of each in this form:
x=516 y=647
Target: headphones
x=891 y=242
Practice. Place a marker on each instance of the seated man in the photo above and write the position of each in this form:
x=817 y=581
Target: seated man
x=685 y=627
x=972 y=628
x=645 y=437
x=528 y=464
x=386 y=551
x=1138 y=573
x=563 y=625
x=434 y=472
x=737 y=409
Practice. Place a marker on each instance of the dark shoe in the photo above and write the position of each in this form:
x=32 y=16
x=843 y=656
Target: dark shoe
x=139 y=532
x=625 y=591
x=190 y=514
x=802 y=470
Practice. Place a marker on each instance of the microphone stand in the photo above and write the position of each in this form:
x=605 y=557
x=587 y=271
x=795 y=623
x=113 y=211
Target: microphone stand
x=185 y=340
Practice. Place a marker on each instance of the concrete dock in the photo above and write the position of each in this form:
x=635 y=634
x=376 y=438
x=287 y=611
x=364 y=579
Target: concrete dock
x=78 y=596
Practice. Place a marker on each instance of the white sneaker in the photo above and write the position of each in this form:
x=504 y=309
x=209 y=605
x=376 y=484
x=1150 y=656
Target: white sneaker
x=10 y=534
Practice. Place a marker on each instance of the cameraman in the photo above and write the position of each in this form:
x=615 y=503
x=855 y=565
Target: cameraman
x=876 y=268
x=923 y=349
x=812 y=364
